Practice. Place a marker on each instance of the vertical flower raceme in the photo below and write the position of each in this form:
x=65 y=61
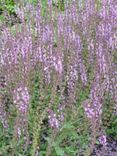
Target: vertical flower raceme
x=53 y=121
x=96 y=94
x=6 y=53
x=21 y=100
x=56 y=119
x=38 y=20
x=88 y=109
x=20 y=12
x=104 y=34
x=72 y=78
x=3 y=113
x=113 y=86
x=60 y=23
x=16 y=54
x=93 y=106
x=80 y=62
x=57 y=64
x=91 y=49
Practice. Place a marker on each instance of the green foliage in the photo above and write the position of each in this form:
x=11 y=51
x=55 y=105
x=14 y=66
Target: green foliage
x=37 y=111
x=34 y=2
x=1 y=19
x=108 y=118
x=7 y=5
x=70 y=140
x=112 y=129
x=7 y=9
x=59 y=4
x=73 y=135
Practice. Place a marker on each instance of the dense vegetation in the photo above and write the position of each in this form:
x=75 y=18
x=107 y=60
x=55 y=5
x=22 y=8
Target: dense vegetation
x=58 y=77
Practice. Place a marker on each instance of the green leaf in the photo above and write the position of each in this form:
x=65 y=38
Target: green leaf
x=97 y=142
x=20 y=154
x=42 y=153
x=74 y=135
x=59 y=151
x=67 y=126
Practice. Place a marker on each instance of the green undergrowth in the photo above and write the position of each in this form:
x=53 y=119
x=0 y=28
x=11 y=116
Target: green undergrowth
x=109 y=120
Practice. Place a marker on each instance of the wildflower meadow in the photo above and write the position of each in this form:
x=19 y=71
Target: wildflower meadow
x=58 y=78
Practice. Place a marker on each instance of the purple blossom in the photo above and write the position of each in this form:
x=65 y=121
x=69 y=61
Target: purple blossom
x=88 y=110
x=56 y=119
x=81 y=27
x=72 y=78
x=21 y=99
x=57 y=64
x=53 y=121
x=20 y=13
x=103 y=140
x=49 y=2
